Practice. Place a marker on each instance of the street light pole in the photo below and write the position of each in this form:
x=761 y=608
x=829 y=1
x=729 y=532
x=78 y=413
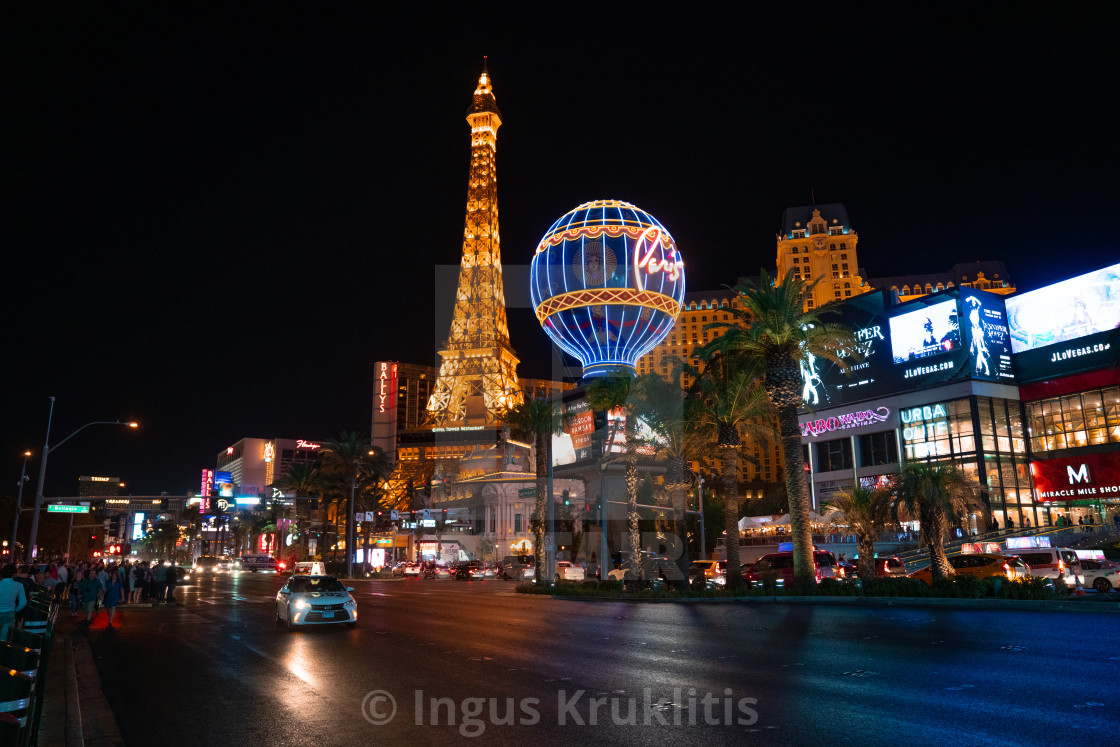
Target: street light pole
x=43 y=471
x=19 y=503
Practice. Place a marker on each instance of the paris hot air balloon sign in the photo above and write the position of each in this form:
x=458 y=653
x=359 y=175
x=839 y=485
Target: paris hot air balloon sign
x=607 y=284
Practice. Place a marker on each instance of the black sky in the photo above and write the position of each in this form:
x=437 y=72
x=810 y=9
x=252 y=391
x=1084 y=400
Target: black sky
x=214 y=221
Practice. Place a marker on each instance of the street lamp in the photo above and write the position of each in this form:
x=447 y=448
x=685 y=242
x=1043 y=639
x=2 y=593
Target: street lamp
x=43 y=470
x=19 y=503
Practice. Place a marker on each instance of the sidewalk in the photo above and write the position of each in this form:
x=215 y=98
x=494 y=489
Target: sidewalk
x=75 y=712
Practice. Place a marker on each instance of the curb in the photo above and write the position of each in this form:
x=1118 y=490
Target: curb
x=1022 y=605
x=97 y=722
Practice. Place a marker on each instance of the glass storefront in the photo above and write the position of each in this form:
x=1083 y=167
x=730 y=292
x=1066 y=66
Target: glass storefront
x=984 y=436
x=1074 y=420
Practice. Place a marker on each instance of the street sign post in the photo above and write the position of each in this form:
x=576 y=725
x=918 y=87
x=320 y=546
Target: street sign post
x=527 y=493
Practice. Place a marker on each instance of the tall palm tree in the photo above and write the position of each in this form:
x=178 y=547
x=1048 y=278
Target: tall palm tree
x=868 y=511
x=662 y=406
x=727 y=401
x=606 y=394
x=349 y=455
x=931 y=493
x=536 y=418
x=771 y=329
x=192 y=514
x=302 y=479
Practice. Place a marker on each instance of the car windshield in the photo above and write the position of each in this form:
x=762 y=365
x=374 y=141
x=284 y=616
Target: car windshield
x=308 y=584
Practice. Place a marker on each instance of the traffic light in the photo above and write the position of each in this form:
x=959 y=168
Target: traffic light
x=567 y=497
x=115 y=525
x=92 y=542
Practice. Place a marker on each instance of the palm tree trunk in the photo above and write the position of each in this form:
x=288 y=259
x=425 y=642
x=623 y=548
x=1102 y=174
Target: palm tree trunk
x=935 y=543
x=797 y=488
x=678 y=495
x=866 y=544
x=729 y=473
x=632 y=516
x=539 y=508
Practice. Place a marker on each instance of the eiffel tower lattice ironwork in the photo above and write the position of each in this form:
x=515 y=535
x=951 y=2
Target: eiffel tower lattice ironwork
x=477 y=381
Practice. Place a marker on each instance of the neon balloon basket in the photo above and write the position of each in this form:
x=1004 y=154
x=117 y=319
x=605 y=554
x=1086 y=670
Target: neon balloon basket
x=607 y=284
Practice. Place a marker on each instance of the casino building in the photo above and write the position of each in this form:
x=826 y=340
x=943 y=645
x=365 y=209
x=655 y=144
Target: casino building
x=1022 y=393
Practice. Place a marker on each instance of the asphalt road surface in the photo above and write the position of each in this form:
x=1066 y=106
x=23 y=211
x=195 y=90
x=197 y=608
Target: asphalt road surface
x=447 y=662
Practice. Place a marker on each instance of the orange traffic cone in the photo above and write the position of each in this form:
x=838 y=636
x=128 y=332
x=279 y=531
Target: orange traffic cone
x=1080 y=590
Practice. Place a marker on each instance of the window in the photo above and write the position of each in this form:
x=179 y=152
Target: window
x=838 y=294
x=843 y=256
x=845 y=268
x=836 y=231
x=843 y=246
x=799 y=234
x=832 y=247
x=847 y=285
x=517 y=522
x=835 y=267
x=876 y=449
x=905 y=290
x=834 y=455
x=847 y=293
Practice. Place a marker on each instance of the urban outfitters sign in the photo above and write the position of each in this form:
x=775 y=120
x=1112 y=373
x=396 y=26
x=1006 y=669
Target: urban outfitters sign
x=1092 y=476
x=924 y=423
x=844 y=421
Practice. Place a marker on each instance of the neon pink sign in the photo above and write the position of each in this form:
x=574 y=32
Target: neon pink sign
x=846 y=421
x=386 y=385
x=644 y=249
x=301 y=444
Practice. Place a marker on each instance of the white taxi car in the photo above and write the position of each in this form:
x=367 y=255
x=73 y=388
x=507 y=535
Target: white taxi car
x=315 y=600
x=1095 y=571
x=567 y=571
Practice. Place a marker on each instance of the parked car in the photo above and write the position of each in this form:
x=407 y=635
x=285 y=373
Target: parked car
x=517 y=567
x=778 y=566
x=884 y=568
x=981 y=565
x=315 y=600
x=1102 y=575
x=567 y=571
x=1051 y=562
x=711 y=571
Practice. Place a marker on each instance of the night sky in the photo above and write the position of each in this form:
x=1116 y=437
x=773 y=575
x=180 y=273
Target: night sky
x=215 y=221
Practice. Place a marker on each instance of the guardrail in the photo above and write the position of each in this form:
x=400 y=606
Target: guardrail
x=23 y=672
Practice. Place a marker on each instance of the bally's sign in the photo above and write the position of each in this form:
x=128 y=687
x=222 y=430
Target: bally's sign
x=1093 y=476
x=844 y=421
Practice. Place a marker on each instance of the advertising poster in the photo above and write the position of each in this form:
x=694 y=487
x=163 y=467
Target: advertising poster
x=925 y=332
x=573 y=443
x=1065 y=311
x=1068 y=327
x=869 y=366
x=989 y=339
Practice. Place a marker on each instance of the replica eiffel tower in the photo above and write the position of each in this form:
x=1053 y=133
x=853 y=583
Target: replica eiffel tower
x=477 y=381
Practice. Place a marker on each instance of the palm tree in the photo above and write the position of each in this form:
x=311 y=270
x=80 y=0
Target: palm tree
x=192 y=514
x=931 y=493
x=868 y=511
x=771 y=329
x=605 y=394
x=677 y=439
x=536 y=418
x=349 y=455
x=302 y=479
x=727 y=401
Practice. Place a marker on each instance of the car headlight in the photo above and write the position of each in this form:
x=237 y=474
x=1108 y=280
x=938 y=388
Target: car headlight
x=302 y=604
x=350 y=603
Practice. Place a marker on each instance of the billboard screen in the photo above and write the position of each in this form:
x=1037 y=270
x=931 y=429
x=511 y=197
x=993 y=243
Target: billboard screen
x=927 y=332
x=1072 y=309
x=989 y=339
x=899 y=349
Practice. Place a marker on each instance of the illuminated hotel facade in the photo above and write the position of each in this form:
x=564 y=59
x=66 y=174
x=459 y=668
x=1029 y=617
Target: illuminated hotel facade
x=1027 y=404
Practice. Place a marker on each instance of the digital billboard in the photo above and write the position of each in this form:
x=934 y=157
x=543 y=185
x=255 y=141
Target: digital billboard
x=1065 y=311
x=1068 y=327
x=989 y=339
x=1089 y=477
x=898 y=349
x=926 y=332
x=573 y=443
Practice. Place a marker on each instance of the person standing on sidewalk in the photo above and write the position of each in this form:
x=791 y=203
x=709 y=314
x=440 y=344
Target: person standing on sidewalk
x=90 y=590
x=171 y=578
x=12 y=599
x=113 y=595
x=159 y=576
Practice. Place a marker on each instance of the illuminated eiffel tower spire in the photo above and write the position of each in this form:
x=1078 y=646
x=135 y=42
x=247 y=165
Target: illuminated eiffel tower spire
x=477 y=381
